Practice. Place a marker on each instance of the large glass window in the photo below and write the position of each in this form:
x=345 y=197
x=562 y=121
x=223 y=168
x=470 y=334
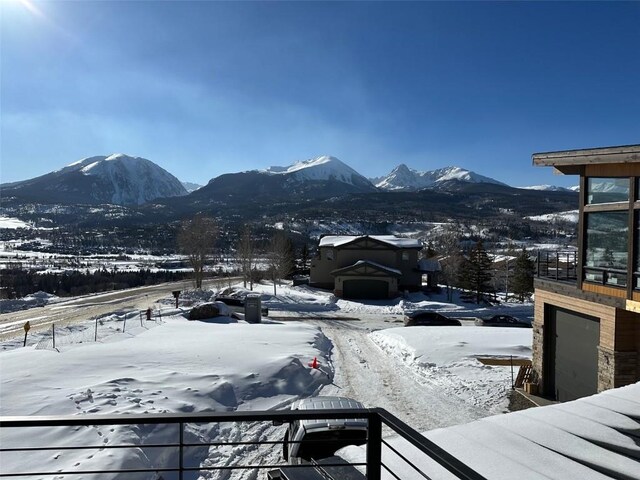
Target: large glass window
x=606 y=248
x=607 y=190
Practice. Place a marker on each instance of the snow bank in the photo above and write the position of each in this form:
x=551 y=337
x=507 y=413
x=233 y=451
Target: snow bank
x=447 y=357
x=37 y=299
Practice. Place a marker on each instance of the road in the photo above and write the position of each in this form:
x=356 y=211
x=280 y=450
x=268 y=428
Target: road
x=90 y=306
x=364 y=372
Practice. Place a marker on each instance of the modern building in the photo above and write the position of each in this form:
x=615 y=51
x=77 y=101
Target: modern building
x=367 y=266
x=586 y=334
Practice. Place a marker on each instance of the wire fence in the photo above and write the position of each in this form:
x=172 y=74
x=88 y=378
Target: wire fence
x=97 y=329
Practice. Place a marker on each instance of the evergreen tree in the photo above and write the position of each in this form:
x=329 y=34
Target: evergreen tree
x=522 y=283
x=476 y=272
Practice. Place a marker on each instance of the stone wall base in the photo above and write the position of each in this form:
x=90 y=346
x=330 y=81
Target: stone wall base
x=616 y=369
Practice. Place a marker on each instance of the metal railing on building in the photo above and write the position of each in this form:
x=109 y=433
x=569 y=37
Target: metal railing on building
x=382 y=455
x=557 y=265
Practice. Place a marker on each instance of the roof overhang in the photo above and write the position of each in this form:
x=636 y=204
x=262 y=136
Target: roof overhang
x=572 y=162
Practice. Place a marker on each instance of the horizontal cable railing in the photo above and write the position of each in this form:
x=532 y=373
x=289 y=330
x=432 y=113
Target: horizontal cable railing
x=174 y=461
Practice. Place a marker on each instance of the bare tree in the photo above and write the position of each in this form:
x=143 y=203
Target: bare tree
x=196 y=240
x=447 y=245
x=281 y=258
x=246 y=252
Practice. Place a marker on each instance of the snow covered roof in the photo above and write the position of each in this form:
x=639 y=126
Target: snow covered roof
x=339 y=240
x=589 y=438
x=375 y=265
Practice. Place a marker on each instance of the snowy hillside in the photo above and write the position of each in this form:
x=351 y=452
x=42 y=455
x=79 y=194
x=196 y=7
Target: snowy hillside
x=405 y=178
x=115 y=179
x=134 y=180
x=546 y=188
x=571 y=216
x=321 y=168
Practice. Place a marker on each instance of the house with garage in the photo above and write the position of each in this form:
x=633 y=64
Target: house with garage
x=586 y=336
x=367 y=266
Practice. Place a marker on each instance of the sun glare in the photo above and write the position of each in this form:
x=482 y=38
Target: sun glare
x=29 y=5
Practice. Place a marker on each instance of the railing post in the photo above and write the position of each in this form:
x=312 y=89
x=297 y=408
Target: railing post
x=374 y=447
x=181 y=459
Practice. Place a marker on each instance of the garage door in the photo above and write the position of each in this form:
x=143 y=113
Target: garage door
x=575 y=354
x=365 y=289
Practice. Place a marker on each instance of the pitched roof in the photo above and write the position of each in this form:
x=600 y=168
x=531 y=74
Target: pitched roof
x=392 y=240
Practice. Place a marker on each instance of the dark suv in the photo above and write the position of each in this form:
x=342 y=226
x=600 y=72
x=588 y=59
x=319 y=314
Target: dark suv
x=426 y=319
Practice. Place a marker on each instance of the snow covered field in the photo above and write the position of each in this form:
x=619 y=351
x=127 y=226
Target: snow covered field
x=428 y=376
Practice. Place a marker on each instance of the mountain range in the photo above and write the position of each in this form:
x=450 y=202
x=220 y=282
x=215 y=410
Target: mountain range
x=119 y=190
x=408 y=179
x=124 y=180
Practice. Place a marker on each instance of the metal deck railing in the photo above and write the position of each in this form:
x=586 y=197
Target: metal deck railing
x=173 y=459
x=560 y=266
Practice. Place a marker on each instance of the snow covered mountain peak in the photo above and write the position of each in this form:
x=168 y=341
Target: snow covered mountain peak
x=124 y=180
x=119 y=156
x=321 y=168
x=405 y=178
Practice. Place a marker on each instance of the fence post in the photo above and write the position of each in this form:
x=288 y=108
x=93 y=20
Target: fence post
x=124 y=323
x=181 y=460
x=374 y=447
x=53 y=334
x=513 y=387
x=95 y=339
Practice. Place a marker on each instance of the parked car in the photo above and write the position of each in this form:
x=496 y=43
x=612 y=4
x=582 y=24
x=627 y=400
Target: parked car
x=426 y=318
x=307 y=440
x=503 y=321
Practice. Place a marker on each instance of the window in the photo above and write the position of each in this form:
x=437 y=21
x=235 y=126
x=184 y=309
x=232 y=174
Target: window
x=607 y=190
x=330 y=254
x=606 y=247
x=405 y=256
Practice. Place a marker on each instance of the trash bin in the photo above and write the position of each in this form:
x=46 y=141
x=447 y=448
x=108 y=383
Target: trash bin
x=252 y=308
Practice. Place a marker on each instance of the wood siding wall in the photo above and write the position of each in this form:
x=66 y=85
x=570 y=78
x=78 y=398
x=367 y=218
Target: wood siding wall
x=604 y=290
x=613 y=170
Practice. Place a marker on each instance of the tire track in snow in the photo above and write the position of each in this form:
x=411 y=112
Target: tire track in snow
x=364 y=372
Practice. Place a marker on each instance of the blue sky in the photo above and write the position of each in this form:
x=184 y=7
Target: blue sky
x=205 y=88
